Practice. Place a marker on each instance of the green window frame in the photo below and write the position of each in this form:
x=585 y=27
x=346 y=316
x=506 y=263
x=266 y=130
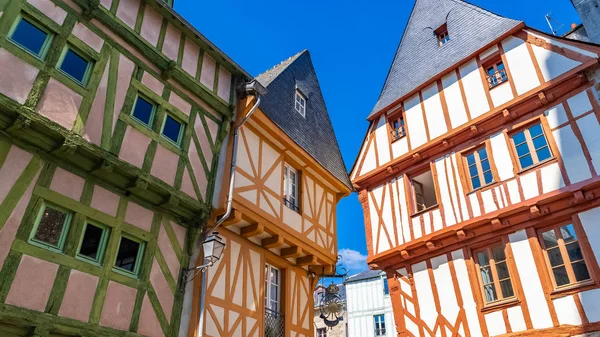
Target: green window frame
x=101 y=246
x=63 y=235
x=181 y=129
x=45 y=46
x=152 y=113
x=138 y=259
x=88 y=71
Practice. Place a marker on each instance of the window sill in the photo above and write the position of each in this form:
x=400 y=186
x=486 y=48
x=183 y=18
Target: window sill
x=573 y=289
x=426 y=210
x=497 y=85
x=485 y=187
x=503 y=304
x=541 y=164
x=397 y=139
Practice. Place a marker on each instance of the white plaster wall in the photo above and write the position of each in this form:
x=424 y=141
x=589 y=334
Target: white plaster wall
x=474 y=204
x=370 y=162
x=446 y=294
x=400 y=147
x=464 y=284
x=532 y=286
x=515 y=319
x=383 y=147
x=388 y=222
x=530 y=185
x=454 y=101
x=580 y=104
x=556 y=116
x=564 y=45
x=501 y=94
x=414 y=122
x=442 y=183
x=363 y=149
x=488 y=52
x=551 y=178
x=590 y=301
x=488 y=201
x=366 y=299
x=377 y=192
x=416 y=225
x=434 y=111
x=552 y=64
x=520 y=65
x=513 y=191
x=422 y=283
x=572 y=154
x=590 y=130
x=405 y=222
x=474 y=90
x=461 y=194
x=566 y=311
x=590 y=220
x=397 y=211
x=495 y=323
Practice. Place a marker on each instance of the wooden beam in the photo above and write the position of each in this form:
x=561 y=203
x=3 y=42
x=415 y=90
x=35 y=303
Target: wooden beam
x=272 y=242
x=291 y=252
x=252 y=230
x=306 y=260
x=234 y=217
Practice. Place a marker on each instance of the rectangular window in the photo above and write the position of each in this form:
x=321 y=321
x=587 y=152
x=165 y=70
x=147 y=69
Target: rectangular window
x=143 y=111
x=272 y=288
x=290 y=187
x=531 y=146
x=322 y=332
x=51 y=227
x=442 y=35
x=172 y=130
x=564 y=255
x=300 y=103
x=423 y=192
x=75 y=66
x=493 y=273
x=379 y=323
x=495 y=73
x=30 y=36
x=479 y=168
x=93 y=243
x=398 y=130
x=386 y=288
x=129 y=256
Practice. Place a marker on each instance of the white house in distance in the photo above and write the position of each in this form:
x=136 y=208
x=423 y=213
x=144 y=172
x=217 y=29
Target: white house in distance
x=368 y=305
x=479 y=176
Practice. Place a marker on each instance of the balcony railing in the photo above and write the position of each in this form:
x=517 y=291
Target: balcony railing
x=497 y=78
x=398 y=133
x=291 y=204
x=274 y=324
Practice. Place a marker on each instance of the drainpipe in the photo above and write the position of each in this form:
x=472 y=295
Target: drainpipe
x=256 y=89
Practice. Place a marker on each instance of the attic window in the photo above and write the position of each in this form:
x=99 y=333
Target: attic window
x=300 y=103
x=442 y=34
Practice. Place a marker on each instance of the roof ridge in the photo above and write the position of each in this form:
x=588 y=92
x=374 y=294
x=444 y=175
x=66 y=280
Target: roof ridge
x=266 y=77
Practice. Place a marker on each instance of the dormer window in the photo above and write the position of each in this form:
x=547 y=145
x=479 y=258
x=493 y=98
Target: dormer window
x=442 y=35
x=300 y=103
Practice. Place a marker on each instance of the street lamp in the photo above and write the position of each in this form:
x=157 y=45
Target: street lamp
x=213 y=248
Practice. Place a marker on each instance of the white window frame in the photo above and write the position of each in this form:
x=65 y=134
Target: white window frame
x=300 y=103
x=290 y=186
x=381 y=330
x=269 y=285
x=322 y=332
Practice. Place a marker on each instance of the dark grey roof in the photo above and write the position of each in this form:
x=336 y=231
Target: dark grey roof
x=365 y=275
x=314 y=133
x=419 y=56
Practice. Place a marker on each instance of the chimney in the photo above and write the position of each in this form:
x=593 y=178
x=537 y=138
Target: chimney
x=589 y=13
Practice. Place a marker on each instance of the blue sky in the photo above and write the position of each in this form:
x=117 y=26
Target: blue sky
x=352 y=44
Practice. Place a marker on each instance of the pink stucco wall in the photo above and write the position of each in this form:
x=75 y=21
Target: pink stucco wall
x=79 y=296
x=13 y=166
x=194 y=157
x=151 y=25
x=94 y=124
x=35 y=274
x=139 y=216
x=168 y=252
x=165 y=164
x=153 y=83
x=163 y=292
x=180 y=103
x=126 y=67
x=213 y=128
x=67 y=184
x=127 y=11
x=224 y=88
x=50 y=9
x=118 y=306
x=179 y=233
x=105 y=201
x=207 y=74
x=191 y=53
x=172 y=41
x=60 y=104
x=203 y=139
x=17 y=76
x=187 y=186
x=106 y=3
x=87 y=36
x=149 y=325
x=133 y=149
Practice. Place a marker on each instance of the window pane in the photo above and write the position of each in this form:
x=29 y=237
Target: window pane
x=535 y=130
x=539 y=142
x=491 y=71
x=90 y=244
x=51 y=226
x=574 y=251
x=526 y=161
x=486 y=275
x=560 y=275
x=482 y=258
x=507 y=289
x=488 y=177
x=568 y=233
x=549 y=239
x=482 y=154
x=581 y=271
x=471 y=159
x=522 y=149
x=490 y=293
x=127 y=254
x=172 y=129
x=519 y=138
x=485 y=165
x=500 y=66
x=473 y=170
x=555 y=257
x=476 y=183
x=143 y=110
x=502 y=270
x=543 y=153
x=29 y=36
x=498 y=253
x=74 y=65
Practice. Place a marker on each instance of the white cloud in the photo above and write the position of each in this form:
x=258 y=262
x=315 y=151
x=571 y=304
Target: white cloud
x=353 y=260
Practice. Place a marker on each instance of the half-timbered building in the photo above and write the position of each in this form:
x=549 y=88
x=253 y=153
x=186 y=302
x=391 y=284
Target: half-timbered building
x=112 y=117
x=478 y=177
x=281 y=236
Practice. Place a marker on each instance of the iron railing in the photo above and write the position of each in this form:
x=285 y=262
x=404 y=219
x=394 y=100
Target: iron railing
x=398 y=133
x=274 y=323
x=497 y=78
x=291 y=204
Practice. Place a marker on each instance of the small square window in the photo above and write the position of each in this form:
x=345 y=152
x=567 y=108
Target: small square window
x=531 y=146
x=76 y=66
x=442 y=35
x=479 y=168
x=30 y=36
x=300 y=103
x=398 y=127
x=495 y=73
x=290 y=187
x=379 y=323
x=143 y=111
x=129 y=256
x=172 y=129
x=93 y=243
x=51 y=227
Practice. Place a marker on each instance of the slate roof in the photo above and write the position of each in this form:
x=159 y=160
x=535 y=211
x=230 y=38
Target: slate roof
x=365 y=275
x=314 y=133
x=419 y=56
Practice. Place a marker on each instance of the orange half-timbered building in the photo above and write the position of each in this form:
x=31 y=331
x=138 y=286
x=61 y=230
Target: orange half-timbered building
x=479 y=177
x=281 y=236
